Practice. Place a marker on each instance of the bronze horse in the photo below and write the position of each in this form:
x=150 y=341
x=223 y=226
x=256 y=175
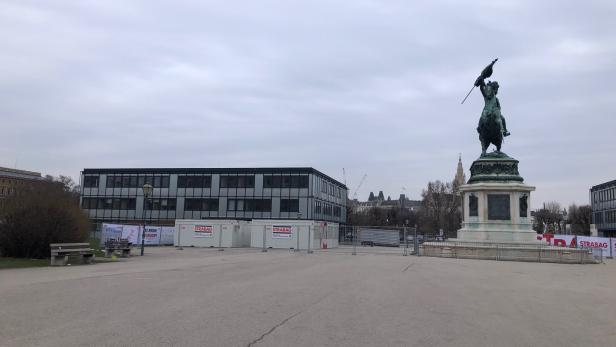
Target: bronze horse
x=492 y=127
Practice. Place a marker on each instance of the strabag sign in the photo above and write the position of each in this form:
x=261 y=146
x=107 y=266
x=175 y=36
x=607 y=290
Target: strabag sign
x=204 y=231
x=599 y=245
x=282 y=231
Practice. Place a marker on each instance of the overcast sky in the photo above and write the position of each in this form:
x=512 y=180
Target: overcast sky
x=371 y=86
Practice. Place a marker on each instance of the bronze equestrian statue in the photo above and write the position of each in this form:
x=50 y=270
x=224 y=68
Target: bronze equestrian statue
x=492 y=127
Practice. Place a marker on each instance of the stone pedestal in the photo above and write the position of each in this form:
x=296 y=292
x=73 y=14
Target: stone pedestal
x=496 y=202
x=496 y=211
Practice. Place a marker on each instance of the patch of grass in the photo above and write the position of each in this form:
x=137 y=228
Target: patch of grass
x=16 y=263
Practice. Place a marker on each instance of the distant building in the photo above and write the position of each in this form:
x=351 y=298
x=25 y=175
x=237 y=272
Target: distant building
x=402 y=203
x=12 y=179
x=603 y=203
x=116 y=195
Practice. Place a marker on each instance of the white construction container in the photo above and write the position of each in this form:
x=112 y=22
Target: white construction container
x=212 y=233
x=293 y=234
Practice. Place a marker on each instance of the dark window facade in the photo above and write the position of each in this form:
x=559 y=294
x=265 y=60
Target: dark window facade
x=258 y=205
x=598 y=217
x=200 y=204
x=318 y=207
x=90 y=181
x=250 y=205
x=194 y=181
x=327 y=210
x=237 y=181
x=235 y=205
x=134 y=181
x=164 y=204
x=285 y=181
x=289 y=205
x=93 y=203
x=337 y=211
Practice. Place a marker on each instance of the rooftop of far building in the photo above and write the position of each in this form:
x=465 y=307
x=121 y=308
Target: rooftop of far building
x=20 y=174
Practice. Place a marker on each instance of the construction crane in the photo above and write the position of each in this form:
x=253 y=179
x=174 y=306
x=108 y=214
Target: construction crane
x=359 y=186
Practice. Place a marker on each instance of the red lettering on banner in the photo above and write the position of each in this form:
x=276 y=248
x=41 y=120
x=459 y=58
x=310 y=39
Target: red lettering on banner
x=593 y=244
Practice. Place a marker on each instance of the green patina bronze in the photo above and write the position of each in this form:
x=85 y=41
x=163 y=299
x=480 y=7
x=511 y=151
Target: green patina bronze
x=496 y=166
x=492 y=127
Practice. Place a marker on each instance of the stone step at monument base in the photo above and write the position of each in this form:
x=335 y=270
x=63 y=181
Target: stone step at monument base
x=506 y=234
x=507 y=251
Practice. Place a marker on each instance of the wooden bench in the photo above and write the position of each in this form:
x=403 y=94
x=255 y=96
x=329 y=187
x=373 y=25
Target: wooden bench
x=112 y=245
x=61 y=251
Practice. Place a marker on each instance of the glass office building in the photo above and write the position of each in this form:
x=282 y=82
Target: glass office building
x=116 y=195
x=603 y=202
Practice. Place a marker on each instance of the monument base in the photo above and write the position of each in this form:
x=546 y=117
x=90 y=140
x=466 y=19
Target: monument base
x=507 y=251
x=497 y=212
x=497 y=223
x=492 y=231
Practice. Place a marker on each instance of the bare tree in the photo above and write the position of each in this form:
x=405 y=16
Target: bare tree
x=550 y=219
x=440 y=208
x=379 y=216
x=580 y=218
x=39 y=214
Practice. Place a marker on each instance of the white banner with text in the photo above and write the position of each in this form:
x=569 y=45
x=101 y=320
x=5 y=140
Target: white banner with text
x=600 y=245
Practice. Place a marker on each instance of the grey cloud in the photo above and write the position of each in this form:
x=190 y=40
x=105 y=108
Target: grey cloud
x=372 y=86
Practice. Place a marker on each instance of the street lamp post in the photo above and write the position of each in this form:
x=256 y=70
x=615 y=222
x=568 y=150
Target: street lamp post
x=147 y=191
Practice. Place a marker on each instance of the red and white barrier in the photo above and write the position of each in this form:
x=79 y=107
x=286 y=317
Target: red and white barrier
x=599 y=245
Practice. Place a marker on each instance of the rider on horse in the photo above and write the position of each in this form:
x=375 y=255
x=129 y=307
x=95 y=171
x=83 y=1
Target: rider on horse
x=492 y=106
x=492 y=127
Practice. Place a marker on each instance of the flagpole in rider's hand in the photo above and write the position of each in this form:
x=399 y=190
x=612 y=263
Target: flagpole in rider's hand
x=469 y=93
x=487 y=72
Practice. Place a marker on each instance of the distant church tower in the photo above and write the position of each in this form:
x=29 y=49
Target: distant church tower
x=460 y=178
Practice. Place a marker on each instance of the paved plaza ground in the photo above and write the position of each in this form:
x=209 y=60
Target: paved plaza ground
x=242 y=297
